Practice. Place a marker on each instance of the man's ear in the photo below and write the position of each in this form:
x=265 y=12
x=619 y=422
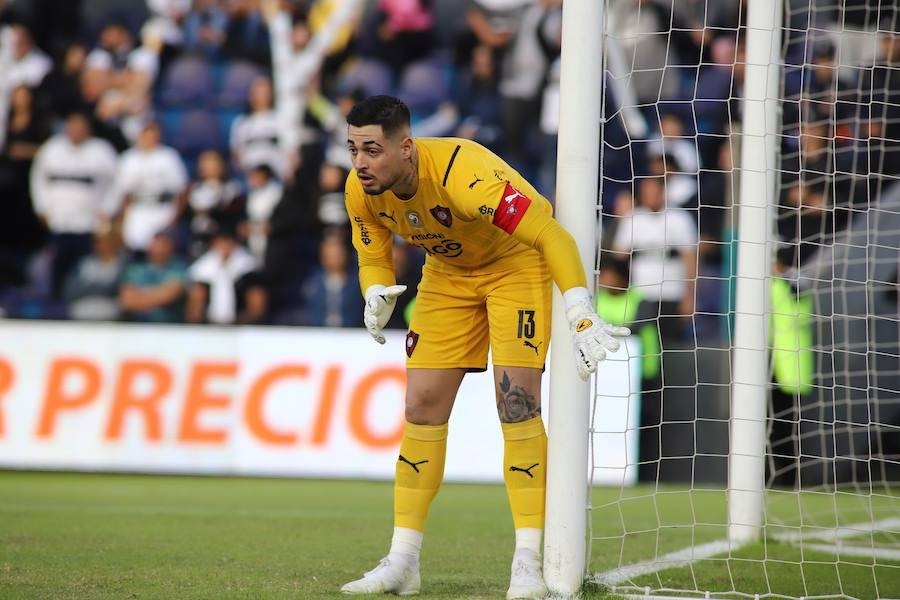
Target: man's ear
x=406 y=147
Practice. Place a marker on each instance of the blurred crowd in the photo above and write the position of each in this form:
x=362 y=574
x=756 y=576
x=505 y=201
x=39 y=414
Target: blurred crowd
x=183 y=160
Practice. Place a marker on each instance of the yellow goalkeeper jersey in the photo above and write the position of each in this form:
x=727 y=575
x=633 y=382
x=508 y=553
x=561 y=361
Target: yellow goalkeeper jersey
x=472 y=214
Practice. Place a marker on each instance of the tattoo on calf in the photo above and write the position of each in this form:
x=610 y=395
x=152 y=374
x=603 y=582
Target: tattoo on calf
x=514 y=403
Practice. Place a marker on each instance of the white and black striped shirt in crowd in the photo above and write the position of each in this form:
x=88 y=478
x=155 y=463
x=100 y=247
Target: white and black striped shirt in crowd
x=71 y=185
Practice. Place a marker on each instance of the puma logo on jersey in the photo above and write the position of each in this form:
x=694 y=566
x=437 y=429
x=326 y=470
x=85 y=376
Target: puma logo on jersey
x=388 y=216
x=527 y=470
x=532 y=346
x=511 y=209
x=509 y=199
x=476 y=182
x=414 y=465
x=582 y=325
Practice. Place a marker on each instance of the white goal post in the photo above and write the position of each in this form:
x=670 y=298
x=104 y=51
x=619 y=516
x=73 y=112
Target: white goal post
x=576 y=209
x=769 y=458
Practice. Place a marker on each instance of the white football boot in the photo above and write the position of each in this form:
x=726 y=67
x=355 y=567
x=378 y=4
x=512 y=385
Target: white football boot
x=394 y=574
x=527 y=577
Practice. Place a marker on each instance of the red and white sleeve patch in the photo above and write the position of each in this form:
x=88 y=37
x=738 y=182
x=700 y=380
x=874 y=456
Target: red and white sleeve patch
x=511 y=209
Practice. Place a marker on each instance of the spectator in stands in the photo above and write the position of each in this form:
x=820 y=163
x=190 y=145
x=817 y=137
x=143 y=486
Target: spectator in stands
x=663 y=245
x=264 y=194
x=20 y=229
x=332 y=118
x=622 y=206
x=211 y=198
x=126 y=103
x=113 y=48
x=60 y=93
x=169 y=15
x=71 y=190
x=331 y=195
x=153 y=287
x=246 y=37
x=522 y=77
x=255 y=135
x=93 y=85
x=804 y=221
x=224 y=286
x=675 y=142
x=717 y=86
x=150 y=187
x=478 y=99
x=490 y=23
x=205 y=27
x=331 y=292
x=297 y=57
x=29 y=65
x=681 y=187
x=881 y=98
x=347 y=45
x=92 y=289
x=405 y=32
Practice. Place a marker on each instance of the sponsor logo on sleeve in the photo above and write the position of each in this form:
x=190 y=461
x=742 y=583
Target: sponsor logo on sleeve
x=511 y=209
x=364 y=236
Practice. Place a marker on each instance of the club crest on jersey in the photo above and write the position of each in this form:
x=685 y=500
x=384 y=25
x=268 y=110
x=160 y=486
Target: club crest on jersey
x=412 y=338
x=442 y=214
x=414 y=218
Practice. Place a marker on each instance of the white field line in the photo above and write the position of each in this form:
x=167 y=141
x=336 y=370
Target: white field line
x=672 y=560
x=687 y=556
x=838 y=533
x=866 y=551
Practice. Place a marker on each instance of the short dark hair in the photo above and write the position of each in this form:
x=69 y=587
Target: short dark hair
x=389 y=112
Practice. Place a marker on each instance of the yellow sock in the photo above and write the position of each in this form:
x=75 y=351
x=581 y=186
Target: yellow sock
x=525 y=471
x=420 y=470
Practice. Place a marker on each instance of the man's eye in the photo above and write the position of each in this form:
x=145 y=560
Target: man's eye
x=373 y=152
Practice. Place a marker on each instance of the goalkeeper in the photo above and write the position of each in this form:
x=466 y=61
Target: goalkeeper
x=492 y=250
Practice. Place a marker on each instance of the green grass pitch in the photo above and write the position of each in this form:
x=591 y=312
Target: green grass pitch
x=153 y=537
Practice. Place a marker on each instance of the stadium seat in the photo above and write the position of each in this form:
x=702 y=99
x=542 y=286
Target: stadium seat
x=371 y=76
x=423 y=86
x=197 y=130
x=187 y=81
x=226 y=117
x=236 y=81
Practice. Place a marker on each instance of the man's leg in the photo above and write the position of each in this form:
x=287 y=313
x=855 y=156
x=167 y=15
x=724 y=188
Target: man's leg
x=430 y=394
x=518 y=392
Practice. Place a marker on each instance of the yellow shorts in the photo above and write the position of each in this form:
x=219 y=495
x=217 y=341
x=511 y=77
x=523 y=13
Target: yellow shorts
x=456 y=318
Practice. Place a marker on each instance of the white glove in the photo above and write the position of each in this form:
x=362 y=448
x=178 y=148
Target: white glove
x=380 y=303
x=592 y=336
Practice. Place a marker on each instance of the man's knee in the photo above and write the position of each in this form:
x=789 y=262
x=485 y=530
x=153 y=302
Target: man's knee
x=518 y=395
x=424 y=407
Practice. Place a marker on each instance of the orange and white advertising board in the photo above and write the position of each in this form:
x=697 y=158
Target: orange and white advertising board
x=242 y=401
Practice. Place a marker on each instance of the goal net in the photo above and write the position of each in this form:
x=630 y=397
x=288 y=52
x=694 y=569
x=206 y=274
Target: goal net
x=750 y=199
